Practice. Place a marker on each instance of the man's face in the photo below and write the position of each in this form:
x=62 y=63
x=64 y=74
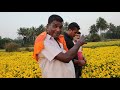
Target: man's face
x=74 y=32
x=77 y=36
x=54 y=29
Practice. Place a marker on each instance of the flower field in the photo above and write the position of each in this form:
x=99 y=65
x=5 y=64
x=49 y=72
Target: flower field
x=18 y=65
x=102 y=62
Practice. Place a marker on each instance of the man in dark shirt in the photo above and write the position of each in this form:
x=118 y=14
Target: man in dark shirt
x=73 y=29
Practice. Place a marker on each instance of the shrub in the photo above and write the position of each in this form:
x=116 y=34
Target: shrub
x=94 y=38
x=28 y=49
x=10 y=47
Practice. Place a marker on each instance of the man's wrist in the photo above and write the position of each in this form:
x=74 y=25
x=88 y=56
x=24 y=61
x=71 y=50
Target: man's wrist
x=81 y=43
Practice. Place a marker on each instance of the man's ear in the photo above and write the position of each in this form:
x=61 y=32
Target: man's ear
x=69 y=30
x=47 y=26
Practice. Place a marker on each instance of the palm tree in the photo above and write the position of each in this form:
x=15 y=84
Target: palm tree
x=112 y=27
x=93 y=29
x=101 y=25
x=65 y=26
x=93 y=33
x=39 y=30
x=112 y=30
x=32 y=32
x=24 y=32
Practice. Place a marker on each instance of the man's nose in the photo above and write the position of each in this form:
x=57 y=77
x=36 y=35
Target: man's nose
x=58 y=29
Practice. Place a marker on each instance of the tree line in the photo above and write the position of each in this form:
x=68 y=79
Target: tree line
x=100 y=31
x=27 y=36
x=103 y=30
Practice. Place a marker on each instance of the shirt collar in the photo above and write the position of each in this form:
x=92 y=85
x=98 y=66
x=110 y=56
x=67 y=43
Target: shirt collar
x=49 y=37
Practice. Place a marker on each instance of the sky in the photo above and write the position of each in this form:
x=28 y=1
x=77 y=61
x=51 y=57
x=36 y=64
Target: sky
x=10 y=22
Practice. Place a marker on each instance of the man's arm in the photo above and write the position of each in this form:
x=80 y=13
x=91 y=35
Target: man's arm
x=69 y=55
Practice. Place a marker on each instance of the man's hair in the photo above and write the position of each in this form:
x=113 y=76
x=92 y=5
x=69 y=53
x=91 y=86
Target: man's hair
x=54 y=18
x=73 y=25
x=79 y=33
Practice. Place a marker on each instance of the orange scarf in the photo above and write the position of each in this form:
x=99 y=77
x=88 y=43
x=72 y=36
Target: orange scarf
x=39 y=44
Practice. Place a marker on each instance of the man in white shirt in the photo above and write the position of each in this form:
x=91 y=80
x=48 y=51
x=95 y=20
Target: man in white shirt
x=53 y=59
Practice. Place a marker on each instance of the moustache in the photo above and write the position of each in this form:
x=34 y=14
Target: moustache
x=58 y=33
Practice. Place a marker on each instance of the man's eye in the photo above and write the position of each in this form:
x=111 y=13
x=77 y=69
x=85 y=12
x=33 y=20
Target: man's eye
x=61 y=27
x=55 y=26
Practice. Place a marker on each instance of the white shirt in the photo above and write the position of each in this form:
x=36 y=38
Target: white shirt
x=50 y=67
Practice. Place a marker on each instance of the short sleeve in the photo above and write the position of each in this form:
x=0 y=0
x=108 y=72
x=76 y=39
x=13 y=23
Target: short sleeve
x=50 y=51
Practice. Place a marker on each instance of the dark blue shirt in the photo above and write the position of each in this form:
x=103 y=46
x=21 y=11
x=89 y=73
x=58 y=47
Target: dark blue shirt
x=69 y=43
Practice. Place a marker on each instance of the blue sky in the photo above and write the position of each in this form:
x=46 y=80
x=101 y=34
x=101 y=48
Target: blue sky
x=11 y=21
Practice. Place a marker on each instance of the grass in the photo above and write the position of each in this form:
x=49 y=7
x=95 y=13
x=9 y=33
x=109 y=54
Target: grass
x=102 y=44
x=21 y=49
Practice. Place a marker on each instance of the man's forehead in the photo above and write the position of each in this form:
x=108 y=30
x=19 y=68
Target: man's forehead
x=77 y=34
x=57 y=22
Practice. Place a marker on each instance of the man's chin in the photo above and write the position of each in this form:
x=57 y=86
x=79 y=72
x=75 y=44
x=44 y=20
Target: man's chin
x=56 y=37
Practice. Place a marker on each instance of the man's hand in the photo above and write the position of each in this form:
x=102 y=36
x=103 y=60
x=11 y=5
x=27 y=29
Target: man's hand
x=82 y=40
x=82 y=62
